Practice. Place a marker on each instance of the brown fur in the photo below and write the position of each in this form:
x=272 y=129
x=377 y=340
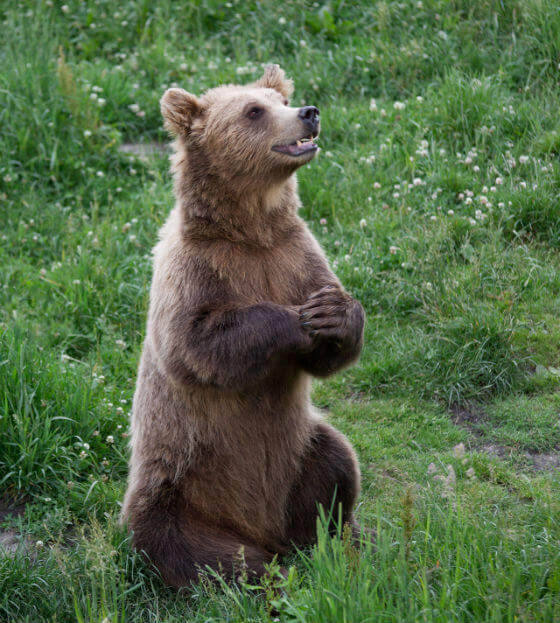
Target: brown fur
x=229 y=457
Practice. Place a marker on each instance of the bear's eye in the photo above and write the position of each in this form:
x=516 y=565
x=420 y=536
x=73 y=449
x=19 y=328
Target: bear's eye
x=255 y=112
x=286 y=102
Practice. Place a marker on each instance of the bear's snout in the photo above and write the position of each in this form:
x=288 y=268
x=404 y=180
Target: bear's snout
x=310 y=117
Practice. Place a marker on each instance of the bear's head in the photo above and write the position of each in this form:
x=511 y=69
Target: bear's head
x=243 y=132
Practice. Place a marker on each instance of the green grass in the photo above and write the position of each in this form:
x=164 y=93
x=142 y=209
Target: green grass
x=438 y=203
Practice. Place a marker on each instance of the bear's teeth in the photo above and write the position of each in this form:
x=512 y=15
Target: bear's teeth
x=298 y=143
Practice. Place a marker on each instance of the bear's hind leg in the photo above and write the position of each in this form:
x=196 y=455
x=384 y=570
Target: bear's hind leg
x=329 y=476
x=182 y=546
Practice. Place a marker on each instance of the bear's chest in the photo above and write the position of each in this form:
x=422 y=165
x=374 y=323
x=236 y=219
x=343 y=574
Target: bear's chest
x=278 y=274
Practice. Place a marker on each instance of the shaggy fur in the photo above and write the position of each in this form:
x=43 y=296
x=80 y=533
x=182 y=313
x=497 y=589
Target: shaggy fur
x=229 y=458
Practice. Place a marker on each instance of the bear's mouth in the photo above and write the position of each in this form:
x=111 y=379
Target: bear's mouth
x=297 y=148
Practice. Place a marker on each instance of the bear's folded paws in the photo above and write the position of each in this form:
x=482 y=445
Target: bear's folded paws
x=328 y=313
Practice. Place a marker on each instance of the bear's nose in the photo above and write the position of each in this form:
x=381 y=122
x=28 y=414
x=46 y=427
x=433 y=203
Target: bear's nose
x=310 y=117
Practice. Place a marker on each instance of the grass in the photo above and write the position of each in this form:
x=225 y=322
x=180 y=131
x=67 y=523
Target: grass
x=436 y=197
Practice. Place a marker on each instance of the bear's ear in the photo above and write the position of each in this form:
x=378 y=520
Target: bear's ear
x=179 y=108
x=275 y=78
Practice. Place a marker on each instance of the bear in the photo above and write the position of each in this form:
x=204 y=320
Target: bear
x=229 y=459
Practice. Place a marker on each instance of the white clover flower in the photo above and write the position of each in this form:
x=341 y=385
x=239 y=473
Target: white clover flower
x=302 y=43
x=281 y=20
x=393 y=250
x=476 y=168
x=399 y=105
x=470 y=472
x=450 y=475
x=432 y=469
x=323 y=221
x=121 y=344
x=101 y=102
x=87 y=133
x=450 y=212
x=100 y=174
x=433 y=217
x=417 y=181
x=419 y=98
x=372 y=104
x=110 y=439
x=459 y=450
x=83 y=454
x=523 y=184
x=134 y=107
x=363 y=223
x=499 y=181
x=39 y=544
x=64 y=8
x=376 y=185
x=523 y=159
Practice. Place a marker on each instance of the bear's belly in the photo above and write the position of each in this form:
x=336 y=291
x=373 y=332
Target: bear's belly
x=236 y=454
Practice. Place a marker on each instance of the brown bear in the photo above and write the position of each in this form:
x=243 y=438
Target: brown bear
x=229 y=457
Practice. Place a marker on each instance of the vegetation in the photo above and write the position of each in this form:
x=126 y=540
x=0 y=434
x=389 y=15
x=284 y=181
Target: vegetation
x=436 y=196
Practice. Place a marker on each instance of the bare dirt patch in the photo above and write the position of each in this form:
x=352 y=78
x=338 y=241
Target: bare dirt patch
x=472 y=417
x=10 y=540
x=145 y=151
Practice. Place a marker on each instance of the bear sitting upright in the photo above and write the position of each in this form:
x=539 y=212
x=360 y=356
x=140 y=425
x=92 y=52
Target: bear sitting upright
x=229 y=457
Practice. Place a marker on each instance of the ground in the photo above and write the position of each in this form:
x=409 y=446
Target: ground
x=436 y=197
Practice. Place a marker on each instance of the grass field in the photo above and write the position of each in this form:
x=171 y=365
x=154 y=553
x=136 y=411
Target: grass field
x=436 y=197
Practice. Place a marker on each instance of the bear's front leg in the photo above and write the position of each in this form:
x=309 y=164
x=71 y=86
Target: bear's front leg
x=335 y=322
